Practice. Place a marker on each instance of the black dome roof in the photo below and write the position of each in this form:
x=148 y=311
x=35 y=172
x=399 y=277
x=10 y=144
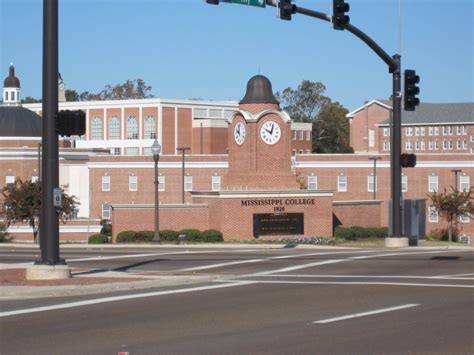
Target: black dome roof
x=259 y=91
x=11 y=81
x=18 y=121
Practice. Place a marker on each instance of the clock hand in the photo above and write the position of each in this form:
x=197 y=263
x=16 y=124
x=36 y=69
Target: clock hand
x=238 y=130
x=271 y=132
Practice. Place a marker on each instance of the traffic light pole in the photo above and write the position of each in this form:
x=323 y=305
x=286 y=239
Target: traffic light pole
x=394 y=67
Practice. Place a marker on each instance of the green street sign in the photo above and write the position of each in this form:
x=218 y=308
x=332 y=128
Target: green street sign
x=258 y=3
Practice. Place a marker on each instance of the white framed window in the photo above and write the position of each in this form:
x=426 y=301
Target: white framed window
x=464 y=144
x=430 y=131
x=294 y=135
x=114 y=151
x=436 y=145
x=458 y=130
x=445 y=144
x=432 y=214
x=472 y=138
x=464 y=218
x=106 y=183
x=133 y=183
x=301 y=135
x=422 y=131
x=450 y=130
x=150 y=127
x=464 y=129
x=215 y=113
x=132 y=127
x=200 y=112
x=105 y=211
x=445 y=130
x=464 y=183
x=386 y=132
x=386 y=145
x=433 y=183
x=423 y=146
x=308 y=135
x=459 y=144
x=34 y=178
x=161 y=183
x=417 y=145
x=96 y=129
x=9 y=180
x=188 y=183
x=312 y=182
x=370 y=183
x=436 y=131
x=342 y=183
x=216 y=183
x=408 y=145
x=430 y=145
x=147 y=151
x=451 y=145
x=371 y=138
x=417 y=131
x=408 y=131
x=131 y=151
x=404 y=183
x=114 y=128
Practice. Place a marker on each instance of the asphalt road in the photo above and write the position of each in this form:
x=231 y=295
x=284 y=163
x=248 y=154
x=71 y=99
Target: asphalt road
x=272 y=301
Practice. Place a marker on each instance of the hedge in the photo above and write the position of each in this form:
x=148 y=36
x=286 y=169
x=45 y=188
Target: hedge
x=169 y=235
x=192 y=235
x=98 y=239
x=144 y=236
x=3 y=233
x=356 y=233
x=126 y=236
x=211 y=236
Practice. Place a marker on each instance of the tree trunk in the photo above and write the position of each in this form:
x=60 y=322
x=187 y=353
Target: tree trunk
x=35 y=231
x=450 y=231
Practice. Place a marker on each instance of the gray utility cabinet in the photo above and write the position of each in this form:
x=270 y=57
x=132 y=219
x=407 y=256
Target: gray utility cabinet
x=413 y=220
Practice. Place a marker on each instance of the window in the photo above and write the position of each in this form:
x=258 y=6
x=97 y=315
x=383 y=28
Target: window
x=106 y=183
x=436 y=145
x=451 y=145
x=458 y=130
x=370 y=183
x=115 y=151
x=371 y=138
x=472 y=138
x=430 y=145
x=433 y=214
x=294 y=135
x=301 y=151
x=404 y=183
x=161 y=183
x=12 y=96
x=6 y=96
x=301 y=135
x=133 y=183
x=459 y=144
x=464 y=129
x=216 y=183
x=423 y=147
x=417 y=145
x=342 y=183
x=430 y=131
x=445 y=144
x=188 y=183
x=132 y=127
x=200 y=112
x=34 y=178
x=386 y=132
x=408 y=131
x=408 y=145
x=464 y=218
x=433 y=183
x=450 y=130
x=308 y=135
x=445 y=130
x=9 y=180
x=131 y=151
x=464 y=144
x=422 y=131
x=105 y=211
x=147 y=151
x=150 y=127
x=96 y=129
x=386 y=145
x=114 y=128
x=464 y=183
x=312 y=182
x=436 y=131
x=417 y=131
x=215 y=113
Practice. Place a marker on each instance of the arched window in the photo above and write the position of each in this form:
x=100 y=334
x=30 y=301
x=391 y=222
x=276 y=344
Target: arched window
x=96 y=132
x=150 y=127
x=114 y=128
x=132 y=127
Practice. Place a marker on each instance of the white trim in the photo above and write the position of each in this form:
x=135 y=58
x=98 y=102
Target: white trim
x=263 y=194
x=301 y=126
x=427 y=124
x=161 y=165
x=351 y=114
x=384 y=164
x=62 y=229
x=20 y=138
x=210 y=123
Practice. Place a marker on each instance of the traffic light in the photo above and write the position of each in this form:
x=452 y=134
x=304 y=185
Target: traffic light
x=286 y=9
x=339 y=17
x=213 y=2
x=408 y=160
x=71 y=123
x=411 y=90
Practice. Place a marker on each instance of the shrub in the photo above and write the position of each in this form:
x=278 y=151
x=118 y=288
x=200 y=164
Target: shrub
x=126 y=237
x=192 y=235
x=211 y=236
x=169 y=235
x=356 y=233
x=144 y=236
x=106 y=229
x=3 y=233
x=98 y=239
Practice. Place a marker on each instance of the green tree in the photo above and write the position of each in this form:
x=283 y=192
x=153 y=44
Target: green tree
x=30 y=100
x=131 y=89
x=451 y=206
x=71 y=95
x=22 y=204
x=331 y=130
x=304 y=103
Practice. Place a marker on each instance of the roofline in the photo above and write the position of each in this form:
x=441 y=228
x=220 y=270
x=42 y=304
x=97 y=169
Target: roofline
x=428 y=124
x=351 y=114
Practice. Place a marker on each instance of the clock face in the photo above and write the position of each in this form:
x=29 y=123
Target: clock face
x=239 y=133
x=270 y=132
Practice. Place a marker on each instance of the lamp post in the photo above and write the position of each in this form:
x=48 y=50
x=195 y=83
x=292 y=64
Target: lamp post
x=456 y=171
x=374 y=158
x=156 y=150
x=183 y=149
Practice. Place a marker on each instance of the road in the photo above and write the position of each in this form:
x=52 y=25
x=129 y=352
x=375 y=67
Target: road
x=261 y=301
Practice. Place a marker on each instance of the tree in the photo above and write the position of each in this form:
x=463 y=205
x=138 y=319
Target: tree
x=30 y=100
x=304 y=103
x=71 y=95
x=22 y=203
x=451 y=206
x=131 y=89
x=331 y=130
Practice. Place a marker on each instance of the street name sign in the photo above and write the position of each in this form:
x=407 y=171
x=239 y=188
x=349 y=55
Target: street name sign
x=258 y=3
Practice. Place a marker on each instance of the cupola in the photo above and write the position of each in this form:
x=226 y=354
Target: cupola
x=11 y=88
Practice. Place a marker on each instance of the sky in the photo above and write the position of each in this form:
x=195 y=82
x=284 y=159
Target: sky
x=187 y=49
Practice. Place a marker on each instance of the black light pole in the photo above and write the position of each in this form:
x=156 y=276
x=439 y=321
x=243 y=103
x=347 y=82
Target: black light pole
x=374 y=158
x=456 y=172
x=183 y=149
x=49 y=219
x=156 y=150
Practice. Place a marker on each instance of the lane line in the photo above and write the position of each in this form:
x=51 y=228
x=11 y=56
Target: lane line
x=372 y=277
x=121 y=298
x=356 y=315
x=137 y=255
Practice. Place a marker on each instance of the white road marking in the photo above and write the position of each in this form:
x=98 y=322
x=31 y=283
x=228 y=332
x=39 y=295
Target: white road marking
x=138 y=255
x=356 y=315
x=452 y=276
x=213 y=266
x=372 y=277
x=121 y=298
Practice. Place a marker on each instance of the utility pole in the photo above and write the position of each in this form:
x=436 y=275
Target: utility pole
x=374 y=158
x=183 y=150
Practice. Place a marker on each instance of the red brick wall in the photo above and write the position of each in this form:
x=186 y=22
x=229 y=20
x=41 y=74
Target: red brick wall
x=168 y=144
x=356 y=213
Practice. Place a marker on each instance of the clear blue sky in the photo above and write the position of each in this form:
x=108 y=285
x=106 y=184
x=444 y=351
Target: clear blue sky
x=188 y=49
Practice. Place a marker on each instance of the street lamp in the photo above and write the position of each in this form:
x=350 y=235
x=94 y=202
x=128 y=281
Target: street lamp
x=374 y=158
x=156 y=150
x=183 y=149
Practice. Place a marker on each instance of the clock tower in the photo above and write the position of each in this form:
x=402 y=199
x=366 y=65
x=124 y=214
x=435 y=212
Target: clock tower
x=260 y=142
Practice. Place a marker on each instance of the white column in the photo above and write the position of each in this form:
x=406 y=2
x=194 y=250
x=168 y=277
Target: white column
x=105 y=126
